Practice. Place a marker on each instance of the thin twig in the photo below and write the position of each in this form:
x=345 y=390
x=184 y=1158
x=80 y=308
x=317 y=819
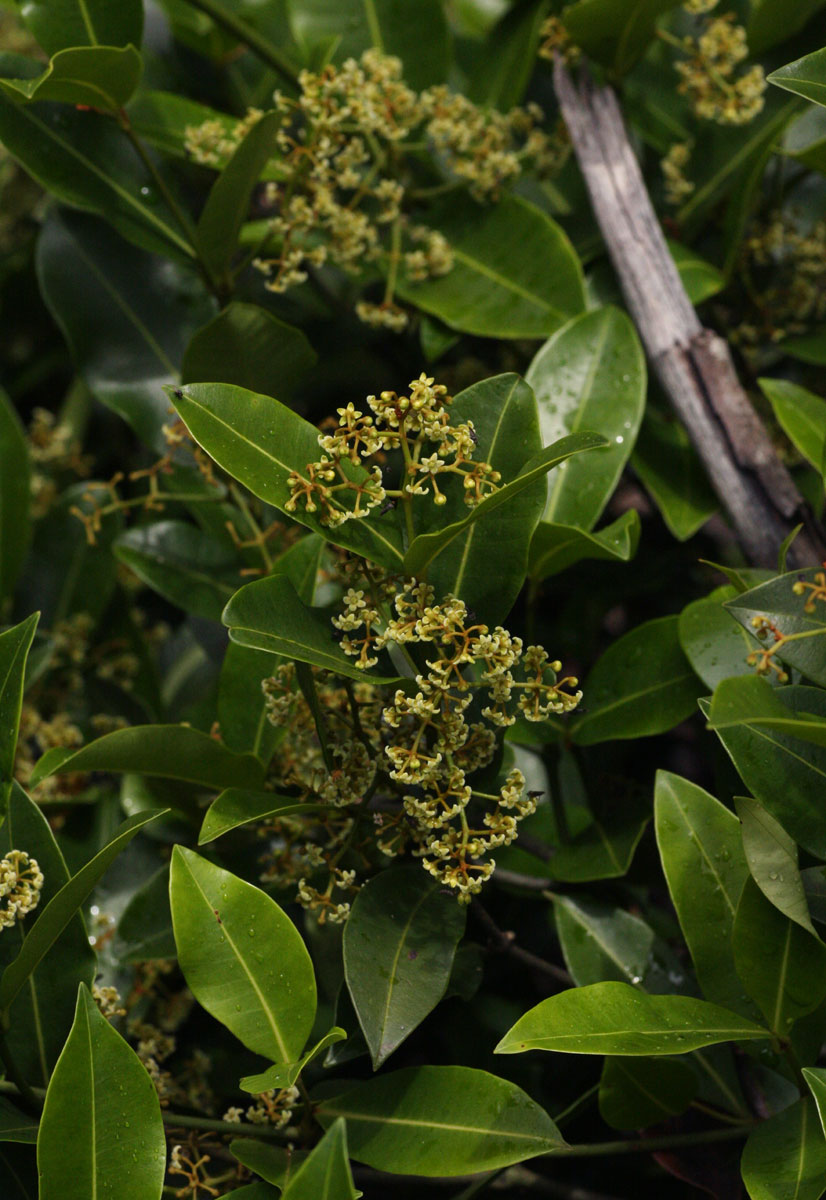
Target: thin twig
x=503 y=942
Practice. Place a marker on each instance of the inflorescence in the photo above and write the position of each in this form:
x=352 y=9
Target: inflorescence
x=21 y=881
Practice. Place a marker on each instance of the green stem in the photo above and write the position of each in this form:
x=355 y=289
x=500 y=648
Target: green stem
x=653 y=1145
x=231 y=1128
x=28 y=1096
x=259 y=45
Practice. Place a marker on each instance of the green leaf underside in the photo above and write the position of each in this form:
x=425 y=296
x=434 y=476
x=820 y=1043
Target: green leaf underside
x=455 y=1120
x=242 y=957
x=600 y=941
x=636 y=1092
x=785 y=1157
x=615 y=1018
x=236 y=806
x=772 y=859
x=102 y=77
x=556 y=547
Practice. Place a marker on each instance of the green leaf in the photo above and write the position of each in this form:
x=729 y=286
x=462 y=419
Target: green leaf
x=259 y=442
x=809 y=349
x=162 y=119
x=275 y=1164
x=673 y=475
x=515 y=273
x=638 y=1092
x=138 y=313
x=60 y=23
x=700 y=278
x=169 y=751
x=750 y=701
x=268 y=615
x=14 y=650
x=601 y=941
x=787 y=776
x=252 y=1191
x=782 y=967
x=615 y=32
x=771 y=22
x=785 y=1157
x=61 y=908
x=325 y=1173
x=235 y=807
x=283 y=1075
x=642 y=685
x=615 y=1018
x=399 y=944
x=144 y=931
x=229 y=199
x=183 y=564
x=801 y=415
x=772 y=859
x=816 y=1079
x=242 y=707
x=427 y=546
x=96 y=1139
x=16 y=1126
x=699 y=840
x=456 y=1120
x=503 y=69
x=556 y=547
x=41 y=1016
x=242 y=957
x=102 y=77
x=248 y=346
x=15 y=496
x=84 y=160
x=398 y=27
x=714 y=643
x=504 y=416
x=805 y=76
x=590 y=374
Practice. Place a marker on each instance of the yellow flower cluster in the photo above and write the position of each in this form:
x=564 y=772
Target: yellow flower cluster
x=21 y=881
x=341 y=486
x=709 y=75
x=673 y=165
x=784 y=266
x=213 y=143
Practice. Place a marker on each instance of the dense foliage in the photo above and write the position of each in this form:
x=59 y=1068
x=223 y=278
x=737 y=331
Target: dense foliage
x=379 y=676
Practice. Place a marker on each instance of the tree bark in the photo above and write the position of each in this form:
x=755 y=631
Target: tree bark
x=694 y=365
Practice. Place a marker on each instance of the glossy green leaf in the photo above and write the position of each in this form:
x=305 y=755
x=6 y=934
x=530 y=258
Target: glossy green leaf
x=84 y=160
x=786 y=775
x=603 y=849
x=53 y=918
x=714 y=643
x=785 y=1157
x=643 y=684
x=60 y=23
x=456 y=1120
x=772 y=21
x=15 y=496
x=242 y=707
x=16 y=1126
x=772 y=858
x=138 y=313
x=802 y=416
x=427 y=546
x=638 y=1092
x=144 y=931
x=15 y=644
x=97 y=1140
x=397 y=27
x=816 y=1079
x=673 y=475
x=601 y=941
x=275 y=1164
x=235 y=807
x=699 y=843
x=515 y=273
x=170 y=751
x=250 y=347
x=399 y=944
x=504 y=416
x=183 y=564
x=259 y=442
x=781 y=966
x=503 y=68
x=615 y=32
x=555 y=547
x=325 y=1173
x=615 y=1018
x=229 y=199
x=590 y=374
x=750 y=701
x=268 y=615
x=41 y=1016
x=102 y=77
x=242 y=957
x=284 y=1075
x=806 y=76
x=700 y=278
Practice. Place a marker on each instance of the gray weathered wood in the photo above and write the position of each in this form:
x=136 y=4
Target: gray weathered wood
x=693 y=364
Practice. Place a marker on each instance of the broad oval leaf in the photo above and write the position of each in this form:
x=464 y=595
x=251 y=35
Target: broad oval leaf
x=15 y=644
x=673 y=474
x=242 y=957
x=515 y=274
x=99 y=1141
x=399 y=944
x=325 y=1173
x=615 y=1018
x=751 y=702
x=802 y=416
x=242 y=707
x=194 y=571
x=772 y=859
x=237 y=806
x=249 y=346
x=60 y=23
x=805 y=76
x=589 y=375
x=15 y=496
x=791 y=613
x=699 y=840
x=144 y=931
x=600 y=941
x=169 y=751
x=637 y=1092
x=556 y=547
x=456 y=1120
x=785 y=1157
x=643 y=684
x=100 y=77
x=715 y=644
